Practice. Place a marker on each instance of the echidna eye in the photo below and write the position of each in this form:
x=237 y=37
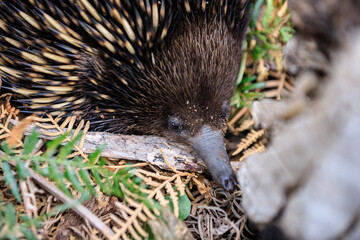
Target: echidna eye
x=175 y=124
x=225 y=111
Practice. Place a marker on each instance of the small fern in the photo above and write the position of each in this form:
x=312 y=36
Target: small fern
x=54 y=165
x=245 y=94
x=269 y=32
x=76 y=178
x=9 y=226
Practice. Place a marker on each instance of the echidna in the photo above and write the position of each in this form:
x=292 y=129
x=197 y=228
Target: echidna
x=163 y=67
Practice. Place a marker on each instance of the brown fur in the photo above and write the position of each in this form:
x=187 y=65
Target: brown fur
x=193 y=79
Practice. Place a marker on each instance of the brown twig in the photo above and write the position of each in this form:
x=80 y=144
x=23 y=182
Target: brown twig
x=237 y=116
x=166 y=161
x=281 y=86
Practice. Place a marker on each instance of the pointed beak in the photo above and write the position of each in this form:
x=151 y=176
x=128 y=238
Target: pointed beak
x=209 y=145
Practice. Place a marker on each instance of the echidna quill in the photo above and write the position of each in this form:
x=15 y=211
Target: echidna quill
x=162 y=67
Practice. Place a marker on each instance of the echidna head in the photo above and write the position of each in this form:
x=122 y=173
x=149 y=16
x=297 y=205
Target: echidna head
x=190 y=90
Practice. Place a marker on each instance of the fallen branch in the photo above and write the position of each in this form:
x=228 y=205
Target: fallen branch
x=138 y=148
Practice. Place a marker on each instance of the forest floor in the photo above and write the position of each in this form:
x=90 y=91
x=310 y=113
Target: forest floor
x=38 y=178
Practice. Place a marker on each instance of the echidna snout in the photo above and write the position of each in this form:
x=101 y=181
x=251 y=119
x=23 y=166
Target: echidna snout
x=209 y=144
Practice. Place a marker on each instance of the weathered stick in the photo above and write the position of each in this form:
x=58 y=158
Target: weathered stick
x=138 y=148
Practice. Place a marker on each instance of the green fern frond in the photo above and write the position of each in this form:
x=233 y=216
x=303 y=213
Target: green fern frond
x=9 y=226
x=75 y=177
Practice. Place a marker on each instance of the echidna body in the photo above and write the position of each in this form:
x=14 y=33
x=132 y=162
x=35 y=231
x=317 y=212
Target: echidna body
x=137 y=67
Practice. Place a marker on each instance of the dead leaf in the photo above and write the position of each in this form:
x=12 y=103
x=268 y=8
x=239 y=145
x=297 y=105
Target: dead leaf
x=199 y=182
x=18 y=131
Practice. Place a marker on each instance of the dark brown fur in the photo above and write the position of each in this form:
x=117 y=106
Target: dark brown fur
x=192 y=79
